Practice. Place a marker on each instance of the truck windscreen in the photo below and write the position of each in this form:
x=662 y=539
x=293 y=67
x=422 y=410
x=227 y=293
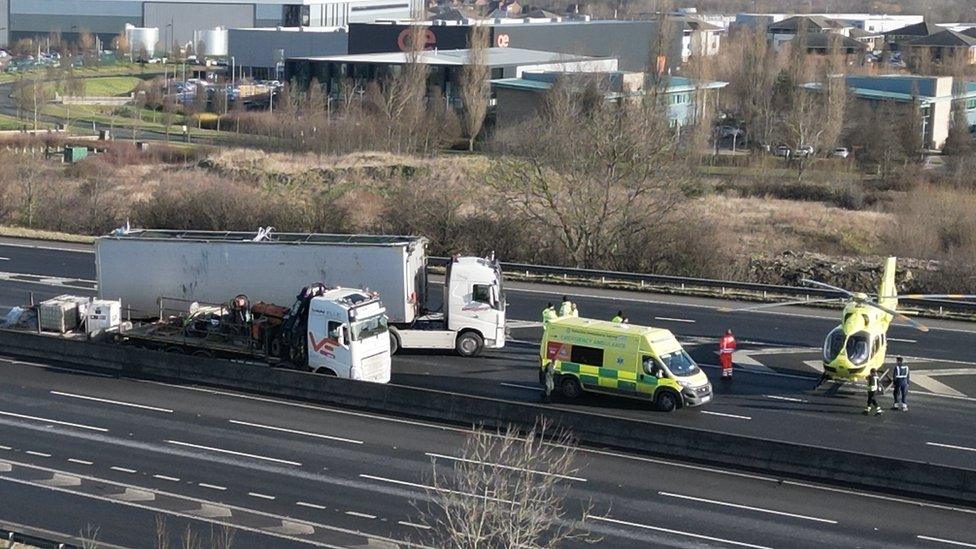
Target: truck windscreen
x=365 y=329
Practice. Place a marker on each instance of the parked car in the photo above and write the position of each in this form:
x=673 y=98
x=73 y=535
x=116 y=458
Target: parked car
x=804 y=151
x=840 y=152
x=782 y=150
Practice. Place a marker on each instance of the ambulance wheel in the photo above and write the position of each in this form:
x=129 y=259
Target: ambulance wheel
x=666 y=401
x=570 y=387
x=394 y=343
x=469 y=344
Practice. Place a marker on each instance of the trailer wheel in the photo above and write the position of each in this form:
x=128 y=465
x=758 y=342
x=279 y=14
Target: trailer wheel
x=202 y=353
x=570 y=387
x=394 y=343
x=666 y=400
x=469 y=344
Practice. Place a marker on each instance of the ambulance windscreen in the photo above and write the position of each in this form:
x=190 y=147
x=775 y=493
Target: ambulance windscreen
x=680 y=363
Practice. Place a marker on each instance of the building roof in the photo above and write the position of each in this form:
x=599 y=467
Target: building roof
x=812 y=23
x=692 y=23
x=494 y=57
x=946 y=39
x=918 y=29
x=898 y=87
x=545 y=80
x=823 y=41
x=859 y=34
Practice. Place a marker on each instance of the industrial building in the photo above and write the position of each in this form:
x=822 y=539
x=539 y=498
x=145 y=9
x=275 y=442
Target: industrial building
x=627 y=41
x=178 y=20
x=261 y=52
x=444 y=66
x=519 y=99
x=934 y=96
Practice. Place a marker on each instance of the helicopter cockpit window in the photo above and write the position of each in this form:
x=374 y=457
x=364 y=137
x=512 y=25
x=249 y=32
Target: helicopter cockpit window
x=859 y=348
x=833 y=344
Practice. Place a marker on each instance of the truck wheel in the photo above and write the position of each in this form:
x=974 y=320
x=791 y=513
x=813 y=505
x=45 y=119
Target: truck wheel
x=666 y=401
x=570 y=387
x=394 y=344
x=175 y=350
x=469 y=344
x=203 y=354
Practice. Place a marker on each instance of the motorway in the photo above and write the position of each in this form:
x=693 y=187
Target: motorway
x=114 y=454
x=89 y=444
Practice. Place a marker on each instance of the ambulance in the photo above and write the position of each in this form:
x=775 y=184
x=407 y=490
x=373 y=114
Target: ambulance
x=624 y=360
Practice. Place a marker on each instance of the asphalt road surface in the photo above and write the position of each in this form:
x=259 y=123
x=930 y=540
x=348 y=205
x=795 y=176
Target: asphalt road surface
x=83 y=453
x=772 y=395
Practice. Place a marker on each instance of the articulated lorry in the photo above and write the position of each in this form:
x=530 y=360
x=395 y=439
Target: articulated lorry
x=334 y=331
x=139 y=267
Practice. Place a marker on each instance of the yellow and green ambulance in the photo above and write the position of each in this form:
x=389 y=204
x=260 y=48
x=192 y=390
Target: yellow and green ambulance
x=624 y=360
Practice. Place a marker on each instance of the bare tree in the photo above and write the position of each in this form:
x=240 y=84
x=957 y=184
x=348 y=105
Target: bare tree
x=30 y=94
x=89 y=537
x=169 y=112
x=399 y=98
x=833 y=92
x=162 y=533
x=222 y=537
x=30 y=181
x=508 y=489
x=590 y=172
x=474 y=85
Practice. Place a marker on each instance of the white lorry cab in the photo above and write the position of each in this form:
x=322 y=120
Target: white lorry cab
x=473 y=315
x=348 y=335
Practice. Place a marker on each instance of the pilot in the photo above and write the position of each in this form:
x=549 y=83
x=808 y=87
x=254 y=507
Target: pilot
x=900 y=389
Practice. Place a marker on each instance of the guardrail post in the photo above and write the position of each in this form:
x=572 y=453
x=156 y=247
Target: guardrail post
x=940 y=310
x=764 y=294
x=603 y=280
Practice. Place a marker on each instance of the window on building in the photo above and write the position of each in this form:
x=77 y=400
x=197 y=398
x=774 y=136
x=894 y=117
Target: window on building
x=970 y=104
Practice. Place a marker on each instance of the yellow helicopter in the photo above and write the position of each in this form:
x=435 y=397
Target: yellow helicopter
x=858 y=344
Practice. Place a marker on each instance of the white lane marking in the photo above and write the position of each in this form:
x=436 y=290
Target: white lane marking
x=669 y=319
x=947 y=541
x=500 y=466
x=40 y=247
x=679 y=532
x=436 y=489
x=713 y=470
x=211 y=486
x=295 y=432
x=517 y=386
x=788 y=399
x=258 y=495
x=310 y=505
x=5 y=448
x=902 y=340
x=413 y=525
x=4 y=259
x=81 y=461
x=231 y=452
x=54 y=421
x=361 y=515
x=164 y=477
x=951 y=446
x=189 y=515
x=107 y=401
x=935 y=386
x=734 y=416
x=123 y=470
x=827 y=316
x=738 y=506
x=38 y=454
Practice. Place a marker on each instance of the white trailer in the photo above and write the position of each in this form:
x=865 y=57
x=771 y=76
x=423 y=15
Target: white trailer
x=139 y=267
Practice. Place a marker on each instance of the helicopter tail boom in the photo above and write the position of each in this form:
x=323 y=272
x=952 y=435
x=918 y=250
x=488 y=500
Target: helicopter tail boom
x=887 y=293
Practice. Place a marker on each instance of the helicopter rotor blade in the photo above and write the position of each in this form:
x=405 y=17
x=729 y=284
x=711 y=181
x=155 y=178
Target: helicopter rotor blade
x=915 y=324
x=780 y=304
x=825 y=285
x=929 y=296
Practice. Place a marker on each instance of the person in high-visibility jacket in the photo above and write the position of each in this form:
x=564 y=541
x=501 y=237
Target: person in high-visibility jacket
x=726 y=346
x=549 y=314
x=619 y=318
x=874 y=387
x=573 y=311
x=566 y=307
x=900 y=385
